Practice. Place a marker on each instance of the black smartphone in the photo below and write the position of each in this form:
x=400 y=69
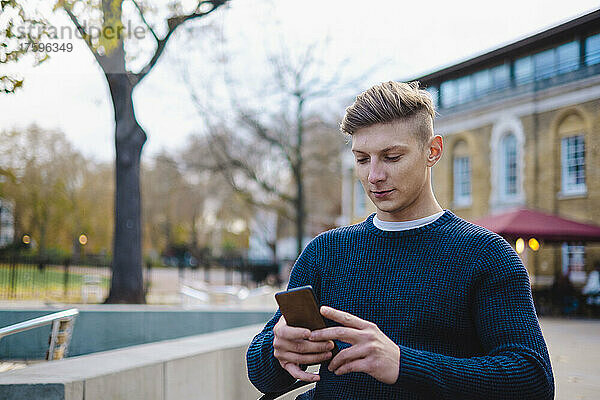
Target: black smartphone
x=299 y=308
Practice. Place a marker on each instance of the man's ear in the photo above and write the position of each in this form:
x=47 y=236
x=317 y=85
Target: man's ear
x=435 y=150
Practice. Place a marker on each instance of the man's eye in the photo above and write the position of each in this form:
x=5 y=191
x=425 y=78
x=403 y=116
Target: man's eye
x=393 y=158
x=362 y=160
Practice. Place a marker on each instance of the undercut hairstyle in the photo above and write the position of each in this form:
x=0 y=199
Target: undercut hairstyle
x=391 y=102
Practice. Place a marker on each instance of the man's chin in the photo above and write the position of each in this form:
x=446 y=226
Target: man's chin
x=386 y=206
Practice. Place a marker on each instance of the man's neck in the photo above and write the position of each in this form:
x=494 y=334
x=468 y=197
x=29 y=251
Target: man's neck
x=417 y=210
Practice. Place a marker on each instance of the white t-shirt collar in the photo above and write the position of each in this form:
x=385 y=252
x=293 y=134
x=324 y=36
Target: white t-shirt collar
x=404 y=225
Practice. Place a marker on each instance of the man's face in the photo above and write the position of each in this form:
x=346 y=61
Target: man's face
x=392 y=165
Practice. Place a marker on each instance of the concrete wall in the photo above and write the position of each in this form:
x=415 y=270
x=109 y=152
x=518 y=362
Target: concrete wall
x=210 y=366
x=107 y=327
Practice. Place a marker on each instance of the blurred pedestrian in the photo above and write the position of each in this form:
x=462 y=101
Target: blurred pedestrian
x=592 y=287
x=563 y=294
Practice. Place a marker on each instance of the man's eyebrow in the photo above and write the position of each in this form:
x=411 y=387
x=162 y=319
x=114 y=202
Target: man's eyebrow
x=396 y=147
x=390 y=148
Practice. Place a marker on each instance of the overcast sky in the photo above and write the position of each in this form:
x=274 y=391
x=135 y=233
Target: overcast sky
x=406 y=39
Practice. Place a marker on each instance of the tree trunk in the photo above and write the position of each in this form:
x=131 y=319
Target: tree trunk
x=300 y=211
x=127 y=284
x=44 y=217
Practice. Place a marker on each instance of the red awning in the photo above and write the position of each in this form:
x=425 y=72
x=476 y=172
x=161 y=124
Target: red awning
x=526 y=223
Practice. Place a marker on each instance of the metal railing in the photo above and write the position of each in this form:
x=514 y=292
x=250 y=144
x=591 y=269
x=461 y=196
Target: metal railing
x=272 y=396
x=60 y=335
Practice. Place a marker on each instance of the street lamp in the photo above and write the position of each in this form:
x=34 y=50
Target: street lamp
x=534 y=244
x=520 y=245
x=83 y=239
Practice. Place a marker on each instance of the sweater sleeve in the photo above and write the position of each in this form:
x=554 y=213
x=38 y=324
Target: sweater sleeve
x=515 y=362
x=264 y=370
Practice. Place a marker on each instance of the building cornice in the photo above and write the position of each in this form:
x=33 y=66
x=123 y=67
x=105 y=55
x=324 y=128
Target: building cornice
x=519 y=105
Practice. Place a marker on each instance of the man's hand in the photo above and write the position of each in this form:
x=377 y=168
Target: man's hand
x=371 y=352
x=292 y=348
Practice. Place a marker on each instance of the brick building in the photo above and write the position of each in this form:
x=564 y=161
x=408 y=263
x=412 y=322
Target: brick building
x=521 y=127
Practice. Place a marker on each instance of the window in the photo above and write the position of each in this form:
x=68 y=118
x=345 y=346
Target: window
x=507 y=147
x=465 y=89
x=544 y=64
x=433 y=91
x=509 y=165
x=500 y=76
x=449 y=95
x=462 y=181
x=524 y=70
x=573 y=261
x=567 y=57
x=573 y=164
x=592 y=50
x=360 y=201
x=482 y=81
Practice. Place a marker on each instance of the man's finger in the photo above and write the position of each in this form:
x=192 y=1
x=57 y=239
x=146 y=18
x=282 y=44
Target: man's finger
x=307 y=359
x=303 y=346
x=348 y=335
x=292 y=333
x=347 y=355
x=295 y=371
x=343 y=318
x=358 y=365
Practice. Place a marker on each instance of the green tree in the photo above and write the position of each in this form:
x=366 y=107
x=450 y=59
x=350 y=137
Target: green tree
x=57 y=192
x=45 y=168
x=165 y=191
x=21 y=27
x=92 y=207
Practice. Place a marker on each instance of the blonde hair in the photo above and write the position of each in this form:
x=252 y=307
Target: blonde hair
x=390 y=102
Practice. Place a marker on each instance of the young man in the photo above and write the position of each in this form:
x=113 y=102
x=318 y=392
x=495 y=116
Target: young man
x=424 y=304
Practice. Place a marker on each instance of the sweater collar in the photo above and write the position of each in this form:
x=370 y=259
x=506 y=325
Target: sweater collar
x=444 y=218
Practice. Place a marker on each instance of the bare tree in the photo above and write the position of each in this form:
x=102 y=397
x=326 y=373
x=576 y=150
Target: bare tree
x=262 y=151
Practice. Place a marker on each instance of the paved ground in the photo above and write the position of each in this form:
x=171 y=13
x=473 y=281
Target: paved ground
x=574 y=347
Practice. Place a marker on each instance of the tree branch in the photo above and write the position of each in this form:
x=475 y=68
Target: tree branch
x=173 y=24
x=225 y=169
x=236 y=163
x=259 y=130
x=144 y=20
x=84 y=35
x=249 y=198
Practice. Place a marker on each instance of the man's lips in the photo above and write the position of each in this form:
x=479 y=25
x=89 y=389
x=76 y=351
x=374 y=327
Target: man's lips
x=381 y=193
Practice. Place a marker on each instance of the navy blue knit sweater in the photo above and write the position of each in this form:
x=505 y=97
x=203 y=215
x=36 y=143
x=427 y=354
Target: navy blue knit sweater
x=455 y=297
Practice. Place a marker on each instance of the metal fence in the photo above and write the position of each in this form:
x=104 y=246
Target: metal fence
x=32 y=278
x=43 y=279
x=222 y=270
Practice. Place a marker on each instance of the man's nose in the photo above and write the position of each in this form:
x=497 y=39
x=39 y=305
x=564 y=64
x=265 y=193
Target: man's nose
x=376 y=173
